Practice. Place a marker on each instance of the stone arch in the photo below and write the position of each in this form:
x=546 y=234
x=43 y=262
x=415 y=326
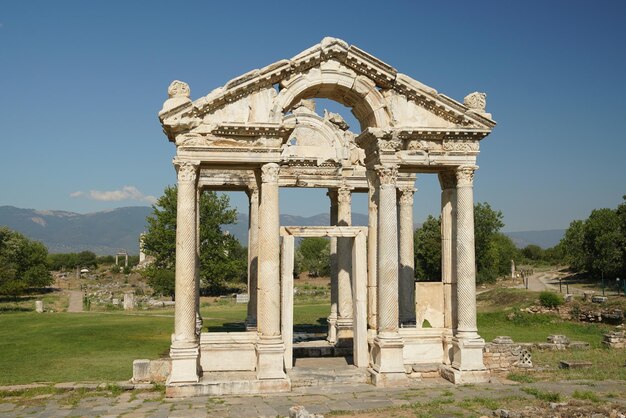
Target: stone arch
x=341 y=85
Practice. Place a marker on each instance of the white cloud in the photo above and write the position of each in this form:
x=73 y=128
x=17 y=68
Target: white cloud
x=125 y=193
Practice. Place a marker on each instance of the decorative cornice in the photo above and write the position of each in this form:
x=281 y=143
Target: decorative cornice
x=362 y=63
x=270 y=172
x=465 y=175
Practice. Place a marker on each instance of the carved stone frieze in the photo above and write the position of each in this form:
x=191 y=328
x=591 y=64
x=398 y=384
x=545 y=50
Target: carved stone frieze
x=460 y=145
x=465 y=175
x=390 y=144
x=425 y=145
x=269 y=173
x=192 y=141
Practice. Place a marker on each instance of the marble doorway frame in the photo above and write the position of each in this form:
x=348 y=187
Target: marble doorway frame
x=358 y=237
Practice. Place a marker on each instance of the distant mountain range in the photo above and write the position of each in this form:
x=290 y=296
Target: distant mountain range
x=105 y=232
x=544 y=239
x=108 y=232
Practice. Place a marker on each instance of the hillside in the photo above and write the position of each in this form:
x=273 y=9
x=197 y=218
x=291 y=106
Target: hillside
x=105 y=232
x=108 y=232
x=544 y=239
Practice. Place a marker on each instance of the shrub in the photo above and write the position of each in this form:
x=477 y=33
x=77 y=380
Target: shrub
x=550 y=299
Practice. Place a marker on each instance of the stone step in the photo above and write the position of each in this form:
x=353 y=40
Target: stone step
x=304 y=376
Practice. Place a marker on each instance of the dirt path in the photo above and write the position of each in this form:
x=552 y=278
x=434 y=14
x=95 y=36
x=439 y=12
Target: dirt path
x=76 y=301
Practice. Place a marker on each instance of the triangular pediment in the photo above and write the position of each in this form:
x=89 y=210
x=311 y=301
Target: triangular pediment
x=378 y=95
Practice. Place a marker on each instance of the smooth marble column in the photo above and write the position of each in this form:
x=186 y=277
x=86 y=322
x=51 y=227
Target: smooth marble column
x=372 y=253
x=406 y=286
x=253 y=256
x=344 y=268
x=447 y=180
x=334 y=288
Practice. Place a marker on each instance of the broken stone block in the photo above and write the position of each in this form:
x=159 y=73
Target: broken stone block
x=575 y=364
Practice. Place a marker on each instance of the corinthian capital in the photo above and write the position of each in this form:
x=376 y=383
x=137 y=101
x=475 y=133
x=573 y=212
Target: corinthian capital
x=387 y=174
x=465 y=175
x=186 y=170
x=269 y=173
x=344 y=195
x=406 y=195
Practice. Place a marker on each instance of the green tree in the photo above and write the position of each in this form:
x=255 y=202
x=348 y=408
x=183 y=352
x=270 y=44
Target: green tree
x=494 y=251
x=533 y=252
x=603 y=242
x=572 y=245
x=487 y=224
x=23 y=263
x=427 y=247
x=313 y=255
x=222 y=259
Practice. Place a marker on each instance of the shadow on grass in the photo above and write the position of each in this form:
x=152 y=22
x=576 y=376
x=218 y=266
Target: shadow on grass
x=228 y=327
x=321 y=326
x=15 y=309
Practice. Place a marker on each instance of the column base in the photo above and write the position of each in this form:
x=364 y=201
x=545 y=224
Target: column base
x=270 y=358
x=459 y=377
x=467 y=353
x=185 y=363
x=387 y=356
x=345 y=332
x=332 y=330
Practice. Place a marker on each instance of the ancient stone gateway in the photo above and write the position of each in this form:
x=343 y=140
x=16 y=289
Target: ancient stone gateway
x=260 y=132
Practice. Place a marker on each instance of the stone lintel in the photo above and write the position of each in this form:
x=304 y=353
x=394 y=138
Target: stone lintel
x=323 y=231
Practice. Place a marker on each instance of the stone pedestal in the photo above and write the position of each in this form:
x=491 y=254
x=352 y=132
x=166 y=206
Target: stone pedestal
x=387 y=360
x=270 y=358
x=185 y=363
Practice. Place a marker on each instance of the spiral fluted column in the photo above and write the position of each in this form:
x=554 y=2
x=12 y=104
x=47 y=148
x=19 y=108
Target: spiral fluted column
x=467 y=344
x=270 y=348
x=387 y=350
x=184 y=350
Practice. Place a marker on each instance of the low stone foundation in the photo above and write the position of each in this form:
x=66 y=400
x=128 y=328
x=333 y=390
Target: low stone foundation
x=503 y=354
x=151 y=371
x=615 y=339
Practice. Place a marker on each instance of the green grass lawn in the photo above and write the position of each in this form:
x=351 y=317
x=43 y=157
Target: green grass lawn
x=65 y=347
x=61 y=347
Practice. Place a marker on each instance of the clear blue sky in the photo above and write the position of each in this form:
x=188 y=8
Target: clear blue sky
x=81 y=84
